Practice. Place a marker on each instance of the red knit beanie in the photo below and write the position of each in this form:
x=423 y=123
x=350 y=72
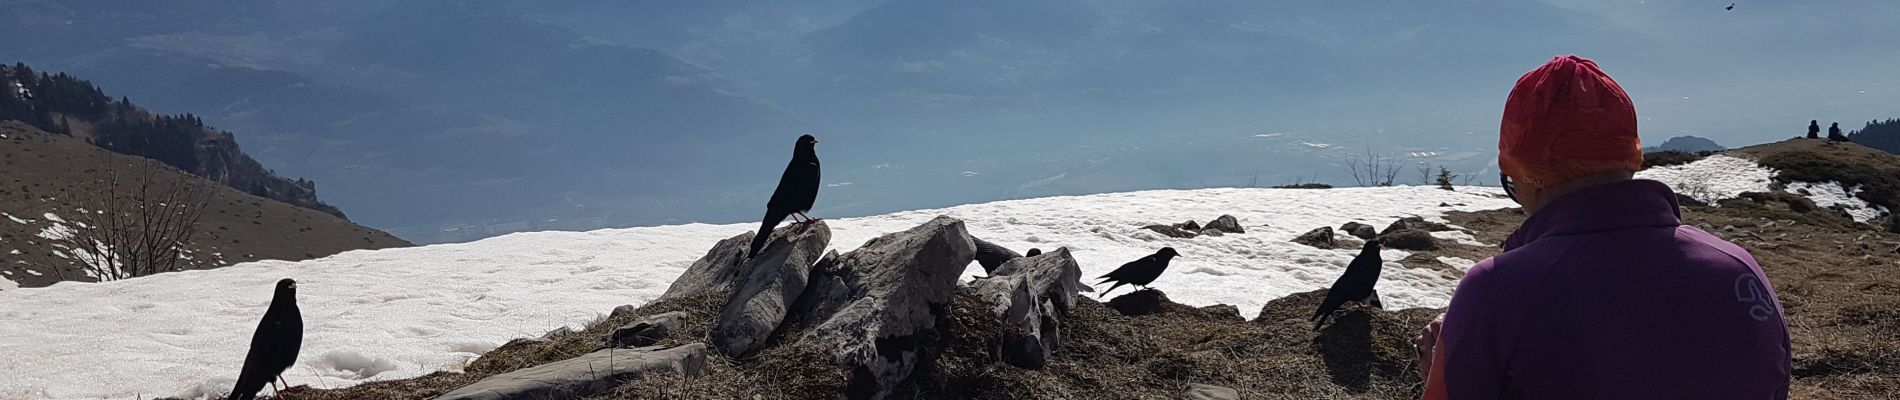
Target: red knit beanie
x=1564 y=120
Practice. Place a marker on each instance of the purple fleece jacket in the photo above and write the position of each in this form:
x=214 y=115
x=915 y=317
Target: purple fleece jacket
x=1605 y=294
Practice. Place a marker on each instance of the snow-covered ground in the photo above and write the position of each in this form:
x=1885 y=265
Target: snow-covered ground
x=1829 y=194
x=396 y=313
x=1713 y=178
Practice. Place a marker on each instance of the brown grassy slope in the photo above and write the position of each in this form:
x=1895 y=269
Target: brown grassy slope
x=42 y=173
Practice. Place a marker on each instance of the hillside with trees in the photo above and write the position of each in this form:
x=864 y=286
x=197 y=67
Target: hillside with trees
x=62 y=104
x=1884 y=135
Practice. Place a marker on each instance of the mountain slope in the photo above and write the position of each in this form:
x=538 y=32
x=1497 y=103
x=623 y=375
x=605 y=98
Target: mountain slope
x=47 y=181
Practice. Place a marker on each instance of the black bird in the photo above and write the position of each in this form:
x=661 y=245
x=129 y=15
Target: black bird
x=274 y=346
x=1033 y=252
x=796 y=192
x=1139 y=272
x=991 y=255
x=1355 y=285
x=1814 y=129
x=1834 y=133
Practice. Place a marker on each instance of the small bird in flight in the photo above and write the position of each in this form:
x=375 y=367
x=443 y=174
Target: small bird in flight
x=1731 y=7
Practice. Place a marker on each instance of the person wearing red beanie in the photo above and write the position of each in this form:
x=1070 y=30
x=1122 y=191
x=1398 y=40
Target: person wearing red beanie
x=1603 y=292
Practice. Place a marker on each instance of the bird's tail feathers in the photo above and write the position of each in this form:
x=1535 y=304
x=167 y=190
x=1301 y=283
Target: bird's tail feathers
x=1110 y=289
x=765 y=233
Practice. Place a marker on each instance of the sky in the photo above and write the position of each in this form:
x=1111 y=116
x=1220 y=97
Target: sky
x=452 y=120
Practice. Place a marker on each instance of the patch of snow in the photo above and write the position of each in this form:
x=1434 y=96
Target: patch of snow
x=32 y=272
x=1458 y=236
x=1713 y=178
x=16 y=219
x=1459 y=263
x=1829 y=194
x=6 y=284
x=405 y=312
x=52 y=217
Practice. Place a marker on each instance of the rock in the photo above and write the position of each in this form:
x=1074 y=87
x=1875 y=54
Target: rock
x=1415 y=223
x=1224 y=311
x=1409 y=239
x=772 y=281
x=991 y=255
x=1170 y=231
x=724 y=267
x=1226 y=223
x=872 y=308
x=1054 y=276
x=1358 y=230
x=1021 y=314
x=1198 y=391
x=1153 y=301
x=1189 y=226
x=1321 y=238
x=586 y=375
x=647 y=330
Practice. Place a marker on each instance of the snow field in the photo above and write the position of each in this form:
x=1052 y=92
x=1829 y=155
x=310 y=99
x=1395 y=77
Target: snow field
x=397 y=313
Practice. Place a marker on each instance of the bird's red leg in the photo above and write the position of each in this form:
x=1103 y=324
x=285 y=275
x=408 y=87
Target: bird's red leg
x=808 y=218
x=280 y=392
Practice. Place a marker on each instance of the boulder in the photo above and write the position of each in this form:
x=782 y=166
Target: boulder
x=1415 y=223
x=587 y=375
x=1198 y=391
x=1022 y=316
x=724 y=268
x=1211 y=233
x=1321 y=237
x=1226 y=223
x=1189 y=226
x=1054 y=276
x=1029 y=296
x=873 y=308
x=1170 y=231
x=1153 y=301
x=991 y=255
x=1358 y=230
x=772 y=281
x=647 y=330
x=1409 y=239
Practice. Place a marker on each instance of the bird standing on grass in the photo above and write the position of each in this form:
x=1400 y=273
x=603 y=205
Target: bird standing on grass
x=1355 y=285
x=796 y=192
x=1139 y=272
x=274 y=347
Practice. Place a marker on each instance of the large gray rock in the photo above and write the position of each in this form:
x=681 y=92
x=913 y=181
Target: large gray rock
x=647 y=330
x=773 y=281
x=1171 y=231
x=726 y=267
x=1198 y=391
x=1054 y=276
x=1321 y=237
x=1361 y=231
x=1226 y=223
x=1414 y=223
x=1029 y=296
x=1409 y=239
x=872 y=307
x=586 y=375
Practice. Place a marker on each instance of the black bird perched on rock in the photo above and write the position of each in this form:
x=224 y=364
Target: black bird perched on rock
x=1814 y=129
x=1139 y=272
x=274 y=347
x=1355 y=285
x=991 y=255
x=796 y=192
x=1033 y=252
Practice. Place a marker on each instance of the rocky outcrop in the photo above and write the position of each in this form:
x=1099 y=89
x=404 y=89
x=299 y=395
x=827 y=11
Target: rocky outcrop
x=1172 y=231
x=647 y=330
x=1414 y=223
x=1029 y=296
x=586 y=375
x=1358 y=230
x=1227 y=224
x=872 y=308
x=1409 y=239
x=1321 y=237
x=772 y=281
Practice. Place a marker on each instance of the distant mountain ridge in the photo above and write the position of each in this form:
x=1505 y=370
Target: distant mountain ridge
x=63 y=104
x=1686 y=144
